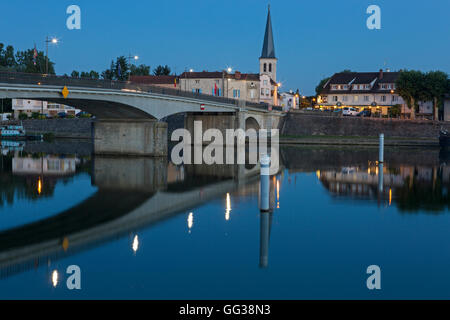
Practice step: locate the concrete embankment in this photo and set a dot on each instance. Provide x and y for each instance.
(307, 128)
(60, 128)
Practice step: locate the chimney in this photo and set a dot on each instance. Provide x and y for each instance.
(381, 74)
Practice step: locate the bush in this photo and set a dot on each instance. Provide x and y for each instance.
(395, 111)
(70, 116)
(23, 116)
(35, 115)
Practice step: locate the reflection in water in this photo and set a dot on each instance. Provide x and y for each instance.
(136, 193)
(411, 187)
(228, 208)
(190, 221)
(55, 278)
(135, 245)
(27, 176)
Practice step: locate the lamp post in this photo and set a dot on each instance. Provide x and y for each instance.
(47, 41)
(131, 57)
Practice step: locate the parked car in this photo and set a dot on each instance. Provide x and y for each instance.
(364, 113)
(348, 111)
(62, 114)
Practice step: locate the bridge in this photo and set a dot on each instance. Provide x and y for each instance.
(133, 112)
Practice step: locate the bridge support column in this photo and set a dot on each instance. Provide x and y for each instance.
(133, 137)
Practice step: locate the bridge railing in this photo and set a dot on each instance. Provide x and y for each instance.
(53, 80)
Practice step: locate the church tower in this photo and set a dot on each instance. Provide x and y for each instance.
(268, 61)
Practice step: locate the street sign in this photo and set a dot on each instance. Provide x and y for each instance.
(65, 92)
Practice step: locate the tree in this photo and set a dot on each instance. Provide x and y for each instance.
(75, 74)
(436, 86)
(7, 58)
(141, 70)
(162, 70)
(108, 74)
(121, 70)
(411, 87)
(25, 62)
(94, 75)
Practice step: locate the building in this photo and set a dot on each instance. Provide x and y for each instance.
(447, 108)
(259, 87)
(268, 67)
(42, 107)
(159, 81)
(366, 90)
(243, 86)
(289, 100)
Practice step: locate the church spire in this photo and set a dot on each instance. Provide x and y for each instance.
(268, 50)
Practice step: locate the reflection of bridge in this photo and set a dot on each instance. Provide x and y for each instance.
(133, 106)
(133, 193)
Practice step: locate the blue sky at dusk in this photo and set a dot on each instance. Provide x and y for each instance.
(313, 39)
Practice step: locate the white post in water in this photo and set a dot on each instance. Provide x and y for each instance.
(264, 183)
(381, 154)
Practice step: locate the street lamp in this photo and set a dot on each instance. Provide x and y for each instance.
(131, 57)
(47, 41)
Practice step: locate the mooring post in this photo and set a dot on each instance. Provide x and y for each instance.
(381, 151)
(264, 183)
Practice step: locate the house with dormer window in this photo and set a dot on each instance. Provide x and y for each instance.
(375, 91)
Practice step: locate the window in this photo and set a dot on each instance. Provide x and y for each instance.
(265, 67)
(265, 82)
(197, 81)
(356, 98)
(236, 93)
(367, 86)
(344, 98)
(335, 98)
(366, 98)
(270, 67)
(252, 94)
(333, 87)
(267, 91)
(394, 98)
(262, 91)
(383, 98)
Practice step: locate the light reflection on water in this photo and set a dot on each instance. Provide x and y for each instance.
(334, 212)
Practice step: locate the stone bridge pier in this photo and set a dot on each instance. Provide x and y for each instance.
(133, 137)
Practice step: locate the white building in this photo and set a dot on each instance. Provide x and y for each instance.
(42, 107)
(289, 100)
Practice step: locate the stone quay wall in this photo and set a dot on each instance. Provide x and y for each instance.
(61, 128)
(307, 124)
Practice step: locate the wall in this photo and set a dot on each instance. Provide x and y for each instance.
(130, 137)
(307, 124)
(61, 128)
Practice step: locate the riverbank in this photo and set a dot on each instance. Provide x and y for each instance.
(358, 141)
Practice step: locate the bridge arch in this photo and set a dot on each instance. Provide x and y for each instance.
(252, 123)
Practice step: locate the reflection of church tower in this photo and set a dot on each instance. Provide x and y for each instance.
(268, 61)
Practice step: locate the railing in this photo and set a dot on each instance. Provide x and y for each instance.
(52, 80)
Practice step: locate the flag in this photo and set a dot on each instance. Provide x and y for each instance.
(35, 54)
(215, 89)
(175, 82)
